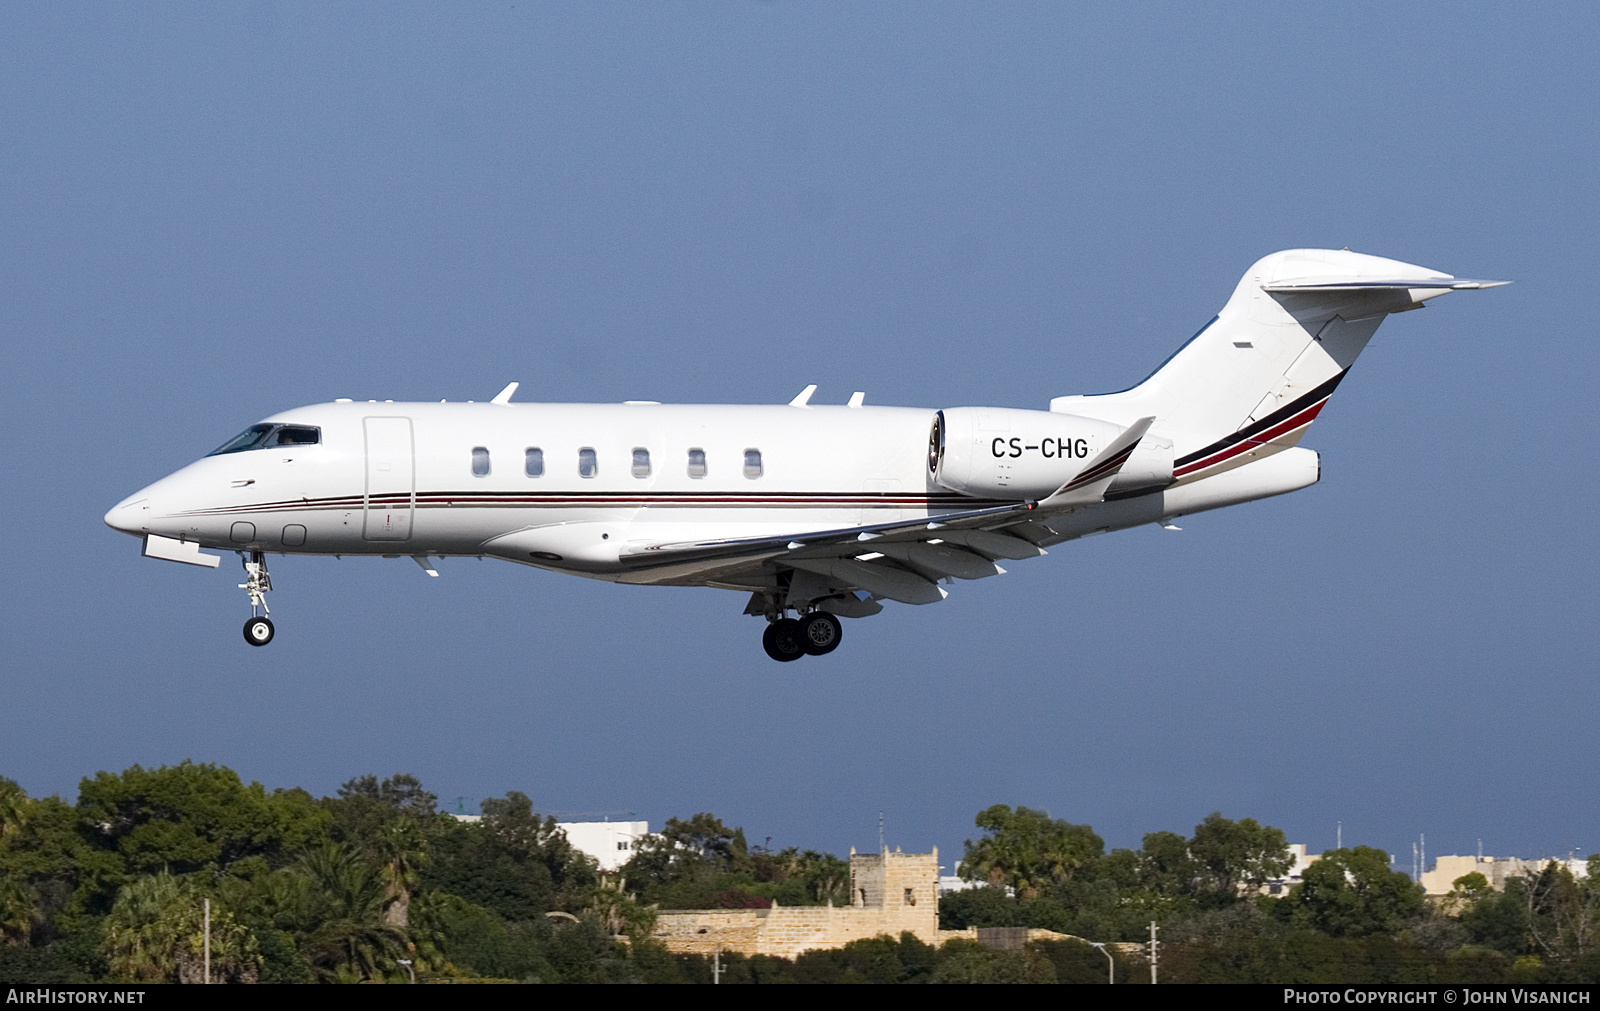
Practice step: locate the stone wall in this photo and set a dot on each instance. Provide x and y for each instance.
(890, 893)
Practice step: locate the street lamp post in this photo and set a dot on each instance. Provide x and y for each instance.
(407, 963)
(1111, 963)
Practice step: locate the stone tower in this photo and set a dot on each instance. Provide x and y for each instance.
(898, 890)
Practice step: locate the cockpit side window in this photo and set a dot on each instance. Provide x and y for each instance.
(294, 435)
(264, 436)
(250, 438)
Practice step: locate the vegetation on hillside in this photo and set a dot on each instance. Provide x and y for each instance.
(375, 885)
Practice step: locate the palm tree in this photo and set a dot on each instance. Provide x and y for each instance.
(352, 942)
(156, 933)
(403, 852)
(14, 805)
(19, 910)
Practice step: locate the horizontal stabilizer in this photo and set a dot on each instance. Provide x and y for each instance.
(1446, 283)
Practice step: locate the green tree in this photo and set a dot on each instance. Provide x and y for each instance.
(185, 817)
(1561, 911)
(1465, 893)
(52, 860)
(687, 863)
(1027, 850)
(1353, 893)
(1165, 865)
(157, 933)
(1231, 855)
(366, 804)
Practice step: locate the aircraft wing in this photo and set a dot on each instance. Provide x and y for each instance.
(822, 541)
(902, 560)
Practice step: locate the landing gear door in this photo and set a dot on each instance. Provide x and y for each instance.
(391, 480)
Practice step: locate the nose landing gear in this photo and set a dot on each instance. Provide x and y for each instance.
(814, 633)
(258, 631)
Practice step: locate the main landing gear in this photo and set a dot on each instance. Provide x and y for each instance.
(815, 632)
(258, 631)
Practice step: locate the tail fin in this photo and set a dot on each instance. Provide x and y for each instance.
(1253, 379)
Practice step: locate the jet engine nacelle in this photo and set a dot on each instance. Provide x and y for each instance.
(998, 452)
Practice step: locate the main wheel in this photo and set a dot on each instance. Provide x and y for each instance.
(820, 633)
(258, 631)
(782, 640)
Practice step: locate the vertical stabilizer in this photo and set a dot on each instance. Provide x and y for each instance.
(1255, 377)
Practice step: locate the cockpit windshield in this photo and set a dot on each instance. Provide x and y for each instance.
(266, 436)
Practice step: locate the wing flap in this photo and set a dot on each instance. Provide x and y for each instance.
(878, 580)
(940, 559)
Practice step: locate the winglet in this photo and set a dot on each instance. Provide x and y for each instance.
(504, 396)
(1092, 481)
(804, 398)
(857, 399)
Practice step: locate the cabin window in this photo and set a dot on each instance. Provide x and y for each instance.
(697, 463)
(533, 462)
(480, 461)
(752, 463)
(588, 466)
(641, 462)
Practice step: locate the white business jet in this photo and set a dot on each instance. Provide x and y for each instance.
(815, 511)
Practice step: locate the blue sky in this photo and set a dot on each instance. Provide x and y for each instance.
(210, 214)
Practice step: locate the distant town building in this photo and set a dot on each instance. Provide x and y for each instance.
(1441, 879)
(611, 843)
(1296, 873)
(890, 893)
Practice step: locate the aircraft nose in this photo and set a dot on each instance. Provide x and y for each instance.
(130, 516)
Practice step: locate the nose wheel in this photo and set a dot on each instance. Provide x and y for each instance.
(815, 633)
(258, 631)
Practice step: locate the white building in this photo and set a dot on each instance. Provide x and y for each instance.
(611, 843)
(1495, 870)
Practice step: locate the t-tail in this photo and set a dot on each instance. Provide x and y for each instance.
(1253, 379)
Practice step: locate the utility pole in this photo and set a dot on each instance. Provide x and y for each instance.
(1154, 953)
(1338, 837)
(716, 966)
(208, 942)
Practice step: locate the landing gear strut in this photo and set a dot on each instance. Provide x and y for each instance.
(258, 631)
(815, 632)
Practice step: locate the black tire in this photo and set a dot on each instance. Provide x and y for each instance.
(820, 633)
(259, 631)
(782, 641)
